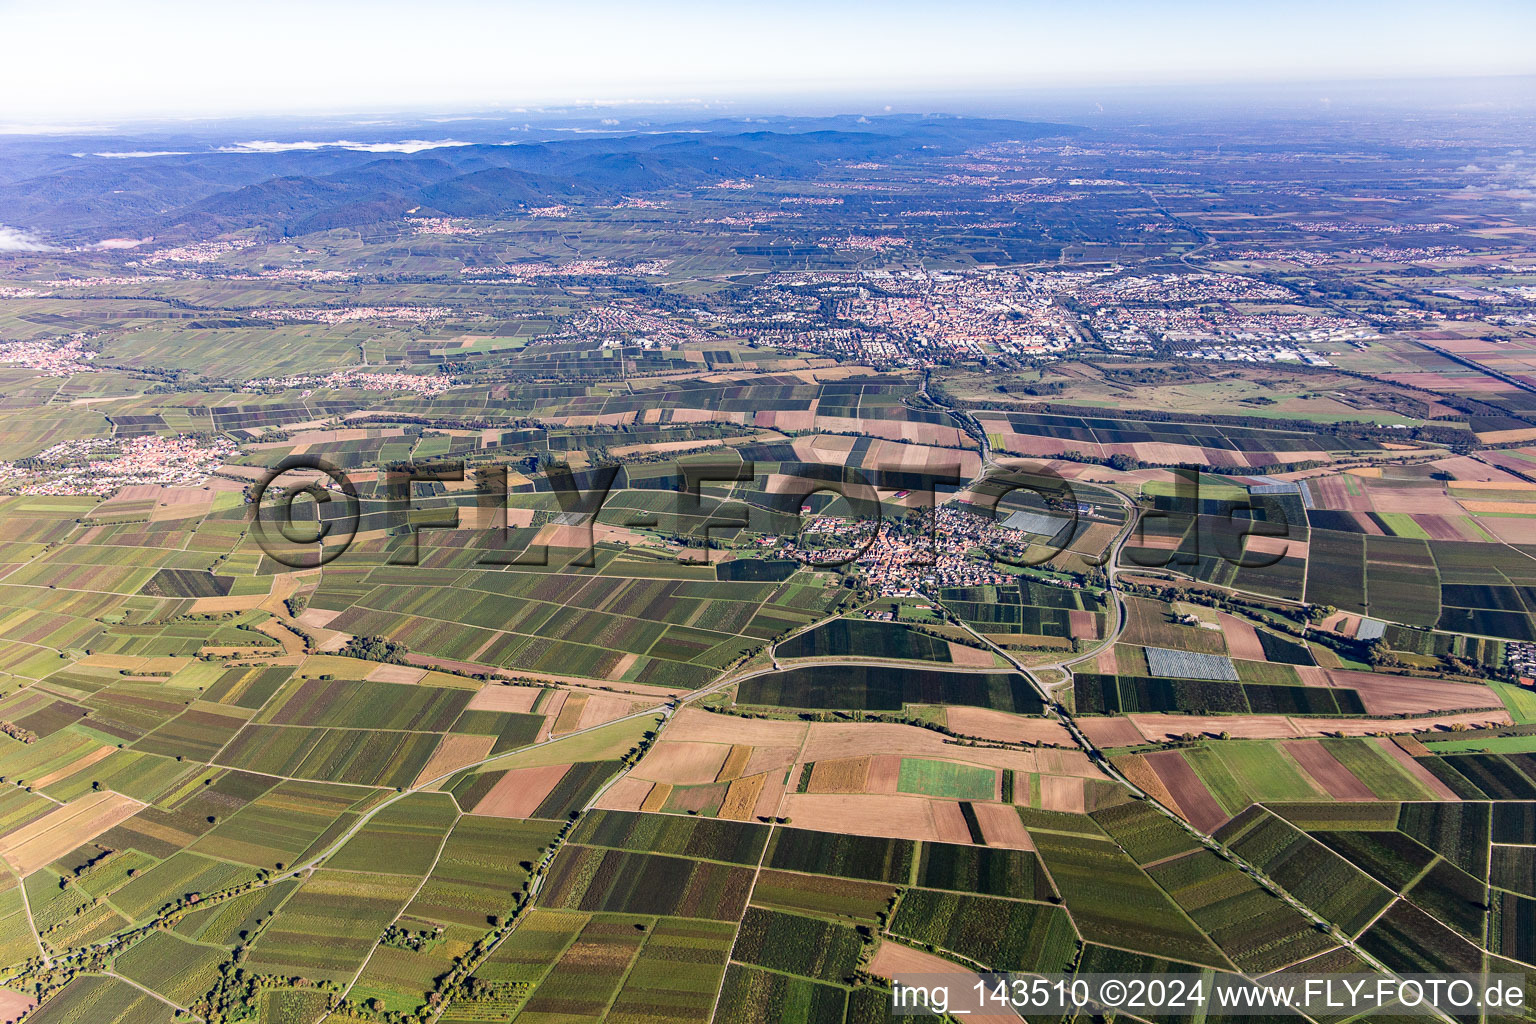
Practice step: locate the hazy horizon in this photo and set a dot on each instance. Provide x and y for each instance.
(1449, 96)
(93, 62)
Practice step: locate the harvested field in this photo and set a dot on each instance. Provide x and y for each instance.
(895, 961)
(1244, 727)
(396, 674)
(769, 759)
(682, 762)
(999, 725)
(1242, 639)
(518, 793)
(693, 724)
(735, 763)
(1136, 768)
(949, 822)
(1497, 507)
(601, 709)
(1394, 695)
(830, 740)
(884, 774)
(569, 717)
(1002, 826)
(1159, 728)
(1414, 501)
(1510, 529)
(1112, 731)
(1367, 726)
(317, 618)
(14, 1005)
(843, 775)
(1191, 798)
(61, 830)
(975, 657)
(741, 799)
(769, 799)
(627, 794)
(1063, 793)
(551, 711)
(454, 752)
(505, 698)
(1065, 762)
(895, 817)
(1331, 776)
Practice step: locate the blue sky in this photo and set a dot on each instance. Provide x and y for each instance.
(82, 60)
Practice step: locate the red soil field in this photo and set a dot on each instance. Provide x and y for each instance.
(396, 674)
(1367, 726)
(14, 1004)
(1510, 529)
(1135, 768)
(1082, 625)
(1242, 639)
(1065, 762)
(1334, 779)
(1001, 826)
(65, 827)
(1331, 492)
(519, 792)
(1392, 695)
(1417, 770)
(999, 725)
(1112, 731)
(949, 823)
(884, 773)
(1439, 528)
(1194, 801)
(1416, 501)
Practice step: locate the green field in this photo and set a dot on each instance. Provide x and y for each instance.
(946, 779)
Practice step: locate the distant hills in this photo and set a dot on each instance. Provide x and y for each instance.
(197, 191)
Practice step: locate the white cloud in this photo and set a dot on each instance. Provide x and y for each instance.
(140, 154)
(404, 146)
(13, 240)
